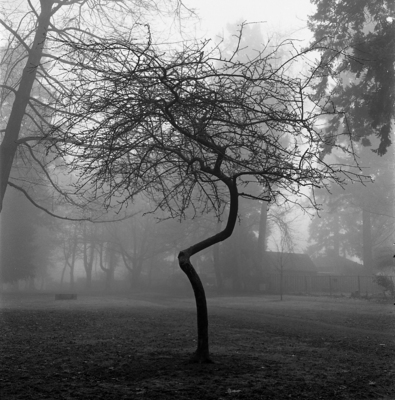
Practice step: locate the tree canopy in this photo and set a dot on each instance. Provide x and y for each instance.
(185, 123)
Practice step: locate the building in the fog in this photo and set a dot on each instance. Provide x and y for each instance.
(337, 265)
(290, 263)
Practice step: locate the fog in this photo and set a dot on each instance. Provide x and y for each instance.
(348, 233)
(197, 199)
(140, 253)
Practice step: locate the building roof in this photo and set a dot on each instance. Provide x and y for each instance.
(290, 262)
(339, 265)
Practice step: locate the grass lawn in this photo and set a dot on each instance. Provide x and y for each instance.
(137, 347)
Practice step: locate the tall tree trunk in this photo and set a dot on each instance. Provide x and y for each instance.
(202, 354)
(367, 240)
(9, 144)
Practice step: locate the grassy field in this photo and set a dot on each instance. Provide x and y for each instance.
(137, 347)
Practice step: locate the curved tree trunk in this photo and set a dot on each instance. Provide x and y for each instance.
(202, 354)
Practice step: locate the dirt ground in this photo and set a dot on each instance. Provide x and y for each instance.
(137, 347)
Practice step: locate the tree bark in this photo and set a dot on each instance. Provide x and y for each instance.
(9, 144)
(202, 354)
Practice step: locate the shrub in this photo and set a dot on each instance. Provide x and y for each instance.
(386, 282)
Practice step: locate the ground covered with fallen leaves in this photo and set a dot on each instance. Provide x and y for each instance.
(138, 347)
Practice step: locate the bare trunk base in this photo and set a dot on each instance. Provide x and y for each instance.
(200, 358)
(202, 354)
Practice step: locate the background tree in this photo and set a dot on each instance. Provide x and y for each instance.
(357, 220)
(357, 40)
(109, 257)
(31, 55)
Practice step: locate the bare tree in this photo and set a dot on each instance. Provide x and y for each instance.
(32, 58)
(194, 130)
